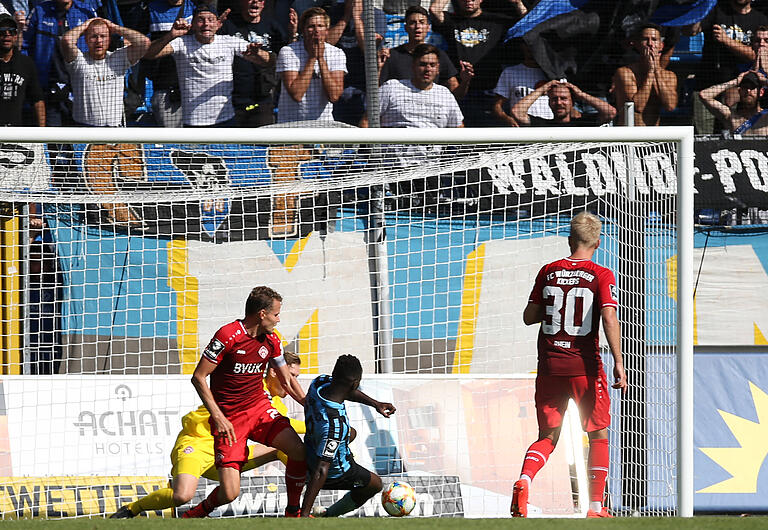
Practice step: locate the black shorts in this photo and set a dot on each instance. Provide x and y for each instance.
(357, 477)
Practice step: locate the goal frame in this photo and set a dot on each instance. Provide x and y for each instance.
(682, 136)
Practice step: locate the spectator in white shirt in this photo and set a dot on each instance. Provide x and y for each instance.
(312, 72)
(204, 65)
(98, 77)
(516, 82)
(419, 101)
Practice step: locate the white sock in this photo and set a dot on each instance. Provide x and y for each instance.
(596, 506)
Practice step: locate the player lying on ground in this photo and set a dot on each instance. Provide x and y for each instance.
(236, 359)
(329, 459)
(569, 299)
(192, 455)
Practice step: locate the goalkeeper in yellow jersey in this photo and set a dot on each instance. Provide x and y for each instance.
(192, 455)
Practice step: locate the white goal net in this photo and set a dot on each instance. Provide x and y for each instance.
(120, 260)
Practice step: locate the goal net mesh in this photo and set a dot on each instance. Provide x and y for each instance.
(120, 261)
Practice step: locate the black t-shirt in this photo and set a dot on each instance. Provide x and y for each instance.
(477, 40)
(254, 83)
(718, 64)
(400, 66)
(356, 76)
(18, 83)
(586, 120)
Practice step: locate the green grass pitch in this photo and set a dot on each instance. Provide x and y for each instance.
(671, 523)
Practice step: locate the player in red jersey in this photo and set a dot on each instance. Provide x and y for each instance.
(570, 298)
(236, 359)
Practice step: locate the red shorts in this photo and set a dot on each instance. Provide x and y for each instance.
(260, 423)
(589, 392)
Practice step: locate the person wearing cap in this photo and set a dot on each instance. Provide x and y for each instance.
(204, 65)
(18, 78)
(98, 75)
(746, 117)
(728, 29)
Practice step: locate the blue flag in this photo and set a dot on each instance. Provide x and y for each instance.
(544, 10)
(682, 14)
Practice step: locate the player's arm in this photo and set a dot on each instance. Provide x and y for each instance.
(289, 383)
(299, 426)
(533, 313)
(613, 335)
(385, 409)
(221, 424)
(316, 483)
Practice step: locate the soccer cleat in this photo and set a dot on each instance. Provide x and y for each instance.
(292, 511)
(519, 506)
(198, 512)
(123, 513)
(591, 514)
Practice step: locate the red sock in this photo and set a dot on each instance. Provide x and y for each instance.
(536, 456)
(204, 508)
(597, 468)
(295, 476)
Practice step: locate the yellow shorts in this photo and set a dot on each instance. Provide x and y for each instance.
(193, 455)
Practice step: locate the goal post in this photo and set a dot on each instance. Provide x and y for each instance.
(153, 237)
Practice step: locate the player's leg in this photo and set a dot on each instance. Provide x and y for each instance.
(591, 394)
(551, 402)
(190, 456)
(362, 485)
(259, 455)
(229, 461)
(227, 491)
(287, 441)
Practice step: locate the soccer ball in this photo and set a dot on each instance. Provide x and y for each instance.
(398, 499)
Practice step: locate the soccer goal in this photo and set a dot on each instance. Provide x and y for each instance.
(123, 250)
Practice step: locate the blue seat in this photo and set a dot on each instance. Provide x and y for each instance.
(688, 49)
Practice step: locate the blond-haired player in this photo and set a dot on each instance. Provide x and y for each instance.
(570, 298)
(192, 455)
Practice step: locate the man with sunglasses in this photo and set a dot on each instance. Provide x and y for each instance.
(18, 78)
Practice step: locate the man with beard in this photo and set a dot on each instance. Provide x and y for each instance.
(746, 117)
(18, 78)
(728, 31)
(646, 83)
(419, 101)
(98, 75)
(561, 97)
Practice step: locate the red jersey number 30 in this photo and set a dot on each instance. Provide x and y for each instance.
(569, 311)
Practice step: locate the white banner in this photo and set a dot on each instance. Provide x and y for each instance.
(475, 429)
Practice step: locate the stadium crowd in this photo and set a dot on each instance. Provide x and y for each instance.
(441, 63)
(249, 63)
